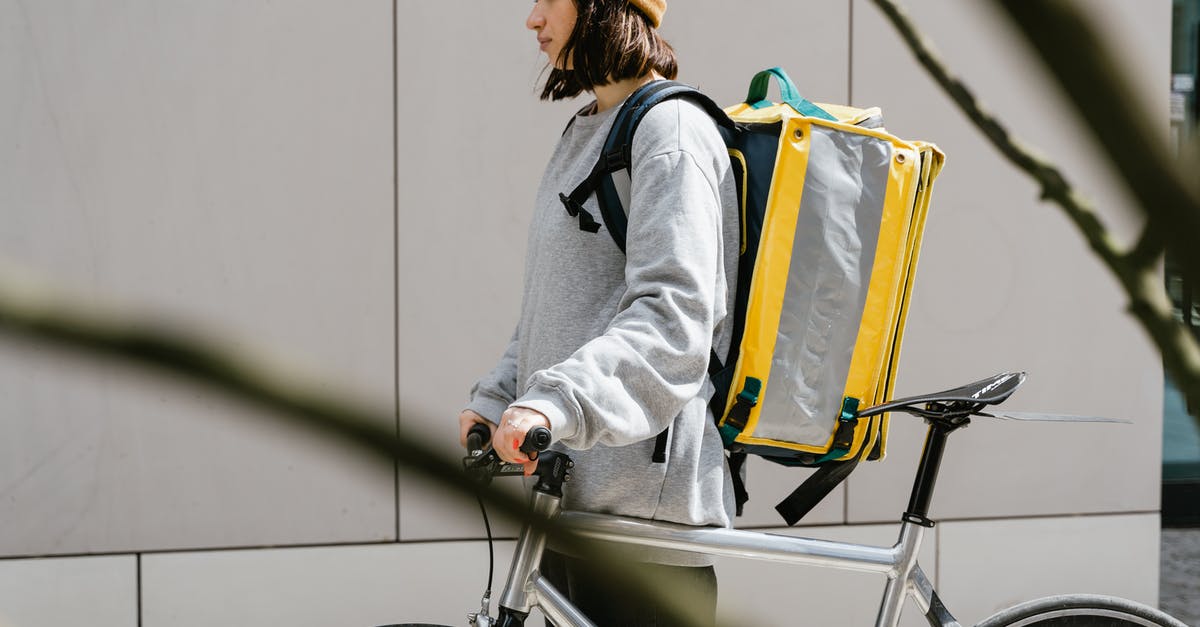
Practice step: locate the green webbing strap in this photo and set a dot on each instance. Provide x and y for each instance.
(735, 422)
(843, 437)
(757, 97)
(739, 414)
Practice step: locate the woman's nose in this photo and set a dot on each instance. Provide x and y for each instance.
(535, 19)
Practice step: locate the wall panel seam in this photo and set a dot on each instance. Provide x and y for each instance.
(850, 54)
(396, 257)
(138, 590)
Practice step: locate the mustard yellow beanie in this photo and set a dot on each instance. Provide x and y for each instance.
(653, 9)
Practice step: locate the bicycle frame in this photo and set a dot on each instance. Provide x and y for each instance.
(526, 588)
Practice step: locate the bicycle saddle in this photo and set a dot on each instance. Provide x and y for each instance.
(970, 399)
(960, 401)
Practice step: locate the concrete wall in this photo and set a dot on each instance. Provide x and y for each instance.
(348, 186)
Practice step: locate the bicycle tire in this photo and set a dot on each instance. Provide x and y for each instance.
(1081, 610)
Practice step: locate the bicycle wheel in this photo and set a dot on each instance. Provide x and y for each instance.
(1081, 610)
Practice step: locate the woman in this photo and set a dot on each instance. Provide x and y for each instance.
(613, 348)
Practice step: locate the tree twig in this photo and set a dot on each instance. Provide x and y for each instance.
(1173, 214)
(1147, 250)
(1105, 99)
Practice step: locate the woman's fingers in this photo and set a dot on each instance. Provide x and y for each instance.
(514, 425)
(468, 419)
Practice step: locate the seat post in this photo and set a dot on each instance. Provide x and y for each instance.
(927, 469)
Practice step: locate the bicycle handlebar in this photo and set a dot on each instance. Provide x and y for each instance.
(537, 440)
(477, 436)
(484, 463)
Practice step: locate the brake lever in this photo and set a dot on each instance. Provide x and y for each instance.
(483, 466)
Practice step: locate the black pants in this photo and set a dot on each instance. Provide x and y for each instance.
(606, 605)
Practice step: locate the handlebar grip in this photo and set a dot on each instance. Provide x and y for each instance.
(537, 440)
(478, 436)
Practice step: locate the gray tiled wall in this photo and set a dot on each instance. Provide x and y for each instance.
(243, 165)
(228, 164)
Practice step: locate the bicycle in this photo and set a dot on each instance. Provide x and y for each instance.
(945, 412)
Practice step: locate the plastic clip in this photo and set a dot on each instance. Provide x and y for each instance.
(574, 209)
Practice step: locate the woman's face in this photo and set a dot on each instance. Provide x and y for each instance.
(552, 21)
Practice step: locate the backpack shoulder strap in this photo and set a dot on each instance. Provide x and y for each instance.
(662, 91)
(608, 162)
(617, 153)
(616, 219)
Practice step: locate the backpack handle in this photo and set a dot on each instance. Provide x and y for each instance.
(757, 97)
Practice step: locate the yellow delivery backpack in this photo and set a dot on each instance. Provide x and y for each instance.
(832, 212)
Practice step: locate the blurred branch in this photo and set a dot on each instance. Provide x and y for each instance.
(1172, 209)
(30, 313)
(1107, 101)
(1147, 251)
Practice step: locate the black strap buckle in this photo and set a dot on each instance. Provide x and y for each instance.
(575, 209)
(739, 414)
(843, 438)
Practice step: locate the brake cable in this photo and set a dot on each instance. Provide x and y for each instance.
(487, 592)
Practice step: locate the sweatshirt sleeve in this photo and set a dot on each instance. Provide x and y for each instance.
(493, 393)
(629, 383)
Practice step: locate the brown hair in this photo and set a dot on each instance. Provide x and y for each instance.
(611, 41)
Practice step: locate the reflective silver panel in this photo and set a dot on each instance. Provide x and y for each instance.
(837, 232)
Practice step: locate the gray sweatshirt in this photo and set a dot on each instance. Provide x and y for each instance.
(613, 348)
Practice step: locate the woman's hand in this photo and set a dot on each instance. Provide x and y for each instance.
(466, 420)
(507, 439)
